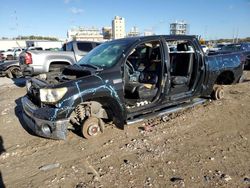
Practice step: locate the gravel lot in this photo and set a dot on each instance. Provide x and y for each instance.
(206, 146)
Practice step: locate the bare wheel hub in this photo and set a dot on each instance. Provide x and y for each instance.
(93, 130)
(91, 127)
(218, 93)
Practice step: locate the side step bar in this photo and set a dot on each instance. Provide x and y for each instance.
(169, 110)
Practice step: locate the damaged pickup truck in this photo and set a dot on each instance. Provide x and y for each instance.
(125, 81)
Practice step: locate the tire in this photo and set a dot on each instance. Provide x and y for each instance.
(14, 72)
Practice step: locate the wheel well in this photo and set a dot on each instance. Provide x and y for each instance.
(90, 108)
(14, 66)
(226, 78)
(100, 108)
(58, 64)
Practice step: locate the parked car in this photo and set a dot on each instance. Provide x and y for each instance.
(125, 81)
(37, 62)
(11, 54)
(243, 48)
(10, 69)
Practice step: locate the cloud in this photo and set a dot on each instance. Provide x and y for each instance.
(75, 10)
(66, 1)
(70, 1)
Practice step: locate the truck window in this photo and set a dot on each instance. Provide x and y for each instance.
(64, 47)
(69, 46)
(84, 46)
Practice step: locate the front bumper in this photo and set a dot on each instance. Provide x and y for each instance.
(45, 128)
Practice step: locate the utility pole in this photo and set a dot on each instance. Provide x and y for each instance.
(16, 20)
(233, 35)
(237, 35)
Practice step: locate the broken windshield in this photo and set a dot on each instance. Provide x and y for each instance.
(105, 55)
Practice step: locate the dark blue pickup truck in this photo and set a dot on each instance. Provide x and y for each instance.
(125, 81)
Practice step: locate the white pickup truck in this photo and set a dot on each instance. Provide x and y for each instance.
(37, 62)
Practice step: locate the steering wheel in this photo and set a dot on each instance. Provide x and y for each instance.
(131, 69)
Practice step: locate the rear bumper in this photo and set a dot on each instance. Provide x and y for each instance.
(26, 70)
(45, 128)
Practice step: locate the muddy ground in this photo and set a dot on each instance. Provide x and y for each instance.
(206, 146)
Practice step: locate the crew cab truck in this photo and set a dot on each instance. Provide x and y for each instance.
(34, 62)
(125, 81)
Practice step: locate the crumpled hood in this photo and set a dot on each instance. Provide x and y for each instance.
(69, 73)
(76, 71)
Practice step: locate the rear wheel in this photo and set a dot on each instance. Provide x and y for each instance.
(218, 93)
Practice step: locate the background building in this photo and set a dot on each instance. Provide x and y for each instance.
(133, 32)
(179, 28)
(118, 27)
(85, 34)
(148, 33)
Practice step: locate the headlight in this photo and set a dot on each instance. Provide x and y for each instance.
(52, 95)
(28, 85)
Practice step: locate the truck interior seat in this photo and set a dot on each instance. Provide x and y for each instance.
(182, 65)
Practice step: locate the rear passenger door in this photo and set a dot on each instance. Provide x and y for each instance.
(183, 68)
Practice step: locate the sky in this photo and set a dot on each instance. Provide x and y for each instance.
(212, 19)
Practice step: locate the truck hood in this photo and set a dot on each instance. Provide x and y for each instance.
(71, 72)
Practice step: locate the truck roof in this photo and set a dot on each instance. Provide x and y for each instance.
(159, 36)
